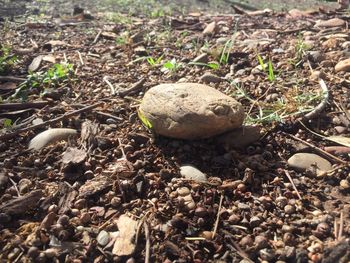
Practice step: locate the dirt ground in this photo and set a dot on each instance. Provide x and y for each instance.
(99, 186)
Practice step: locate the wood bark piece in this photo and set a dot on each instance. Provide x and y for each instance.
(67, 196)
(94, 186)
(124, 245)
(22, 204)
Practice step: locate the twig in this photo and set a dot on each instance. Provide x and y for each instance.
(96, 37)
(148, 242)
(23, 105)
(336, 230)
(109, 116)
(11, 78)
(291, 181)
(80, 58)
(15, 186)
(341, 225)
(49, 122)
(321, 106)
(218, 216)
(316, 148)
(110, 85)
(133, 89)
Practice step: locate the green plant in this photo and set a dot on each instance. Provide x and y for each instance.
(225, 54)
(144, 120)
(7, 60)
(212, 65)
(153, 62)
(57, 75)
(271, 76)
(122, 40)
(268, 69)
(7, 123)
(300, 48)
(172, 66)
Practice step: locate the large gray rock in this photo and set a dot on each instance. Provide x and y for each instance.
(190, 111)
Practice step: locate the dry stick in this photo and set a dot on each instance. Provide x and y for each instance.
(341, 226)
(15, 186)
(97, 37)
(336, 229)
(80, 58)
(291, 181)
(148, 242)
(110, 85)
(49, 122)
(134, 88)
(11, 78)
(316, 148)
(23, 106)
(218, 216)
(320, 107)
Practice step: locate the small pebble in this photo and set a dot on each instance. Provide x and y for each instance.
(192, 173)
(103, 238)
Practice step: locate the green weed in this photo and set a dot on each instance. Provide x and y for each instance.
(268, 69)
(171, 66)
(212, 65)
(153, 62)
(54, 77)
(7, 60)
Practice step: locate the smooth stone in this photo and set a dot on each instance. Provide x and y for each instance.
(192, 173)
(37, 121)
(210, 78)
(202, 58)
(343, 65)
(272, 97)
(103, 238)
(302, 161)
(210, 29)
(190, 111)
(239, 138)
(189, 202)
(340, 129)
(316, 75)
(333, 22)
(183, 191)
(316, 56)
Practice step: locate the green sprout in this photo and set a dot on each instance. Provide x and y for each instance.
(54, 77)
(267, 69)
(144, 120)
(7, 60)
(271, 76)
(172, 66)
(212, 65)
(154, 62)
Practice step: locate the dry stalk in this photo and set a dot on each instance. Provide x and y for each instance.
(218, 216)
(291, 181)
